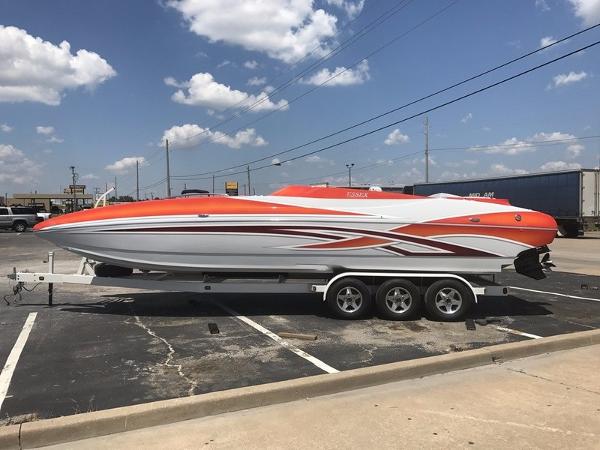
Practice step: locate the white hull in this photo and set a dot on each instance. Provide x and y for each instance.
(213, 251)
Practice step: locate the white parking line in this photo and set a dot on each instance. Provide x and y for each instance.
(555, 293)
(317, 362)
(13, 358)
(519, 333)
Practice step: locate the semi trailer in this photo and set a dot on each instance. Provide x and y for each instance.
(572, 197)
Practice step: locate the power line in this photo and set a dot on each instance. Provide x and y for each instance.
(215, 139)
(332, 53)
(528, 144)
(396, 109)
(421, 113)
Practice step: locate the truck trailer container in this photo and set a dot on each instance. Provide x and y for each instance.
(572, 197)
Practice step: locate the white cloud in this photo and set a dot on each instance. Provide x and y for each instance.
(542, 4)
(251, 65)
(559, 165)
(341, 76)
(514, 146)
(190, 135)
(353, 9)
(256, 81)
(5, 128)
(552, 136)
(587, 10)
(287, 30)
(241, 138)
(203, 90)
(122, 166)
(55, 140)
(396, 137)
(44, 130)
(313, 159)
(17, 168)
(501, 169)
(547, 40)
(574, 150)
(565, 79)
(89, 176)
(468, 117)
(456, 164)
(35, 70)
(223, 63)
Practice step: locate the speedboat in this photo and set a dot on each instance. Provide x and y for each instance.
(309, 229)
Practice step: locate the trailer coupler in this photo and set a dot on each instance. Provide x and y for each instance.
(528, 262)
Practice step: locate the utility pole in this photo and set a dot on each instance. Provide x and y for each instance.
(350, 166)
(74, 200)
(137, 180)
(426, 149)
(248, 170)
(213, 190)
(116, 196)
(168, 170)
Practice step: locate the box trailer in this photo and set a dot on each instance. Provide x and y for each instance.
(571, 197)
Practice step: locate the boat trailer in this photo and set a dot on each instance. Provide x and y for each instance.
(348, 293)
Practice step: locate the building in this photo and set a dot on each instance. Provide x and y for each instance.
(47, 201)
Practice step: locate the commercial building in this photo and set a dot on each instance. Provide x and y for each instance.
(47, 201)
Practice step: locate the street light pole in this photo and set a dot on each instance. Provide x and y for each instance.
(426, 149)
(248, 169)
(168, 169)
(350, 166)
(74, 200)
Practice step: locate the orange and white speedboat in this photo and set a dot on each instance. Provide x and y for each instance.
(309, 229)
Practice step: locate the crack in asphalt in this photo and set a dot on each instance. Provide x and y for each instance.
(170, 355)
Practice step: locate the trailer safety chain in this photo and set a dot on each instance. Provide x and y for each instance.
(16, 292)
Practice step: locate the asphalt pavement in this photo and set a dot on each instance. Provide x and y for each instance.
(100, 348)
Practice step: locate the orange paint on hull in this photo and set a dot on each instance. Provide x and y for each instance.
(184, 206)
(529, 227)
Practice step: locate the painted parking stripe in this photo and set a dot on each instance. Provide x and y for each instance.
(555, 293)
(519, 333)
(13, 358)
(317, 362)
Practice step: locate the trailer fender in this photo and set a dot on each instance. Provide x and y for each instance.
(386, 275)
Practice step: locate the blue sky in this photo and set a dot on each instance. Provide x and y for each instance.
(136, 72)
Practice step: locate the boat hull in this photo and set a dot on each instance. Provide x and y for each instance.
(344, 230)
(283, 246)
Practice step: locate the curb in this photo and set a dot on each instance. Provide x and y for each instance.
(117, 420)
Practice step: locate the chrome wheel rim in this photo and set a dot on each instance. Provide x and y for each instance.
(448, 301)
(398, 300)
(349, 299)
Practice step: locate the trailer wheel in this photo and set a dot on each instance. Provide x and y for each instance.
(398, 299)
(349, 298)
(448, 299)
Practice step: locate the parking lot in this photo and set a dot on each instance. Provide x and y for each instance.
(99, 348)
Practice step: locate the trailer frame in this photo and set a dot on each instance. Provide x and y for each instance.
(211, 284)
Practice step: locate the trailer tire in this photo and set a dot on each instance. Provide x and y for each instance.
(398, 299)
(448, 299)
(349, 298)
